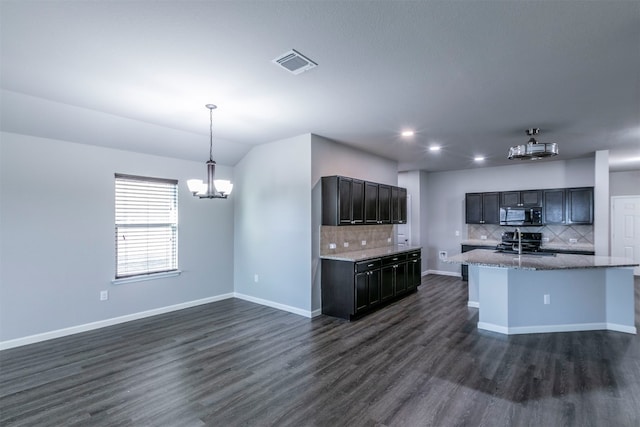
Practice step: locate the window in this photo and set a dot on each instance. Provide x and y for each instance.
(146, 226)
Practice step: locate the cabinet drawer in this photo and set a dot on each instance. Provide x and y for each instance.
(413, 255)
(372, 264)
(394, 259)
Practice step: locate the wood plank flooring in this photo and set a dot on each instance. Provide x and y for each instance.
(418, 362)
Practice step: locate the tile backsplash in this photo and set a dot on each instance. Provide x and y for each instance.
(375, 236)
(557, 234)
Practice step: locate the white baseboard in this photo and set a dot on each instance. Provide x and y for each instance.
(473, 304)
(272, 304)
(542, 329)
(622, 328)
(31, 339)
(444, 273)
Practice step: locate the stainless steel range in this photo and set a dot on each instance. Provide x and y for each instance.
(530, 242)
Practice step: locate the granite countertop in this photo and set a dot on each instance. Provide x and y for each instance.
(361, 255)
(491, 258)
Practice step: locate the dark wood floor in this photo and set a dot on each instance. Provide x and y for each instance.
(419, 362)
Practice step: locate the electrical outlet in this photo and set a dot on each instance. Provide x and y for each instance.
(345, 244)
(457, 233)
(256, 278)
(547, 299)
(364, 243)
(483, 237)
(388, 239)
(443, 255)
(545, 240)
(573, 240)
(104, 295)
(332, 245)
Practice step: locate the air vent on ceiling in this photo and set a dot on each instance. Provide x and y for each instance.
(294, 62)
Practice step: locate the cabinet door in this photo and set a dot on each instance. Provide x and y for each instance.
(400, 278)
(345, 195)
(361, 291)
(370, 202)
(386, 282)
(473, 208)
(531, 198)
(510, 199)
(357, 201)
(402, 205)
(490, 208)
(413, 274)
(384, 204)
(553, 207)
(374, 287)
(580, 205)
(395, 205)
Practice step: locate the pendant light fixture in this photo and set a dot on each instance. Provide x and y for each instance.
(213, 188)
(533, 150)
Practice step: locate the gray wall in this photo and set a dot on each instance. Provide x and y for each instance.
(331, 158)
(273, 223)
(57, 229)
(624, 183)
(446, 190)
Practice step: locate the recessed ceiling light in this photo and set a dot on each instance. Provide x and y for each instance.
(478, 158)
(434, 148)
(407, 133)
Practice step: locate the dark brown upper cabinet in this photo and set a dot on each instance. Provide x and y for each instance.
(482, 208)
(370, 202)
(554, 206)
(398, 205)
(559, 205)
(384, 204)
(579, 205)
(526, 199)
(342, 201)
(350, 201)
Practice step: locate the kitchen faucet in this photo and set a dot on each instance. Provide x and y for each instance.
(517, 230)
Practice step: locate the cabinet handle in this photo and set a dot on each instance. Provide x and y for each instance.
(370, 265)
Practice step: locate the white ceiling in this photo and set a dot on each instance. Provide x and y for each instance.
(470, 76)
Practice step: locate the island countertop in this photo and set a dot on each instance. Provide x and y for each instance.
(364, 254)
(491, 258)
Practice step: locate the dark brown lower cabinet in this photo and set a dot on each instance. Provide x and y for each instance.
(352, 289)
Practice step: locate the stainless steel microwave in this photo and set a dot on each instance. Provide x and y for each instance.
(521, 216)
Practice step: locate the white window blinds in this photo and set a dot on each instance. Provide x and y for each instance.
(146, 225)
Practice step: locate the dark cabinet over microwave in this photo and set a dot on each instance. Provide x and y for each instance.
(522, 199)
(351, 201)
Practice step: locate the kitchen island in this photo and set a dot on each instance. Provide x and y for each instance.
(529, 293)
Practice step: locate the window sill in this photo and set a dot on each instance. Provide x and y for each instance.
(145, 277)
